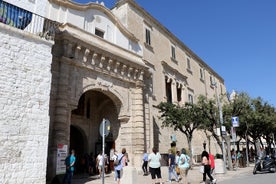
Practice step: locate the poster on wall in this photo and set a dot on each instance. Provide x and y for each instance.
(61, 156)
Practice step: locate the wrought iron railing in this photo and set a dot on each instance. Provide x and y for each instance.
(25, 20)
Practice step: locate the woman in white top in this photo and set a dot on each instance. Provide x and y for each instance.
(154, 166)
(119, 168)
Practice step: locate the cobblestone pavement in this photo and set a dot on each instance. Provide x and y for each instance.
(194, 177)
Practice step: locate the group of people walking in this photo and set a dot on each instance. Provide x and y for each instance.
(179, 164)
(178, 159)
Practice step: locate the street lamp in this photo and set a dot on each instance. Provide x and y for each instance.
(221, 124)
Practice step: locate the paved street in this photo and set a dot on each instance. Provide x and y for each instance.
(194, 177)
(266, 178)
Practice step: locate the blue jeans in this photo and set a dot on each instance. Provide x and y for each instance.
(172, 171)
(68, 177)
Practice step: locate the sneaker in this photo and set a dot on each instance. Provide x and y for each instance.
(202, 182)
(214, 181)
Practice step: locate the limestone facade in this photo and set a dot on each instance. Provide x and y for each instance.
(25, 83)
(106, 64)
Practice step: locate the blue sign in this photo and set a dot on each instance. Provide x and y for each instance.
(235, 121)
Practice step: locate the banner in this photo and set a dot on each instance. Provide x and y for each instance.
(61, 156)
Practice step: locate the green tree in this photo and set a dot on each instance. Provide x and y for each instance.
(185, 119)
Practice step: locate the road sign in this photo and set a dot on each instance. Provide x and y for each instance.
(235, 121)
(223, 130)
(105, 127)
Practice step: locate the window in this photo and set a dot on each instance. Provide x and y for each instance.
(173, 51)
(190, 98)
(168, 89)
(99, 33)
(188, 64)
(178, 92)
(211, 80)
(201, 74)
(148, 40)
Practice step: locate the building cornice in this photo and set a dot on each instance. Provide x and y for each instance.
(171, 36)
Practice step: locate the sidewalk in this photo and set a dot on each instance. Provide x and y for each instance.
(194, 177)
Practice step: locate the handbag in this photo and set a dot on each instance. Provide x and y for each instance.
(201, 169)
(177, 169)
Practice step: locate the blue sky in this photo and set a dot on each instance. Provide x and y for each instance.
(237, 38)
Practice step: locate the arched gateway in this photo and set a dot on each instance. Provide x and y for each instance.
(92, 80)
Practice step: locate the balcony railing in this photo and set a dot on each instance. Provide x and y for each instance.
(25, 20)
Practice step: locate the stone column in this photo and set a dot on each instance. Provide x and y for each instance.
(138, 123)
(133, 137)
(61, 118)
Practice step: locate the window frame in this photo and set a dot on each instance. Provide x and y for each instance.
(97, 30)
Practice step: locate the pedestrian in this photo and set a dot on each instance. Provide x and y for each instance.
(205, 161)
(122, 163)
(233, 157)
(154, 166)
(171, 169)
(99, 164)
(106, 163)
(91, 169)
(184, 165)
(212, 162)
(145, 163)
(70, 163)
(114, 157)
(177, 169)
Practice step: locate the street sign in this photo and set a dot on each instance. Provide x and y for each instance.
(223, 130)
(105, 127)
(235, 121)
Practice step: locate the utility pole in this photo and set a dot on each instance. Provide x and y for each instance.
(221, 125)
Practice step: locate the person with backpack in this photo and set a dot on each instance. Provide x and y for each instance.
(205, 161)
(70, 163)
(184, 165)
(120, 163)
(212, 162)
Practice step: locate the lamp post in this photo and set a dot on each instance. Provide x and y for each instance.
(221, 124)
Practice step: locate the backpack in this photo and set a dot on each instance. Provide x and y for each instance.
(186, 163)
(117, 161)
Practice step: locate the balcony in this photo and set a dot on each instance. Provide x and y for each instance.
(25, 20)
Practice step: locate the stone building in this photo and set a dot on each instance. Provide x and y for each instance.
(114, 64)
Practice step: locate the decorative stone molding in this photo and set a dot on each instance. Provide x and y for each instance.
(99, 55)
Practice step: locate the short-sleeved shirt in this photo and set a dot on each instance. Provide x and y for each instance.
(69, 162)
(154, 160)
(145, 157)
(100, 159)
(121, 164)
(172, 158)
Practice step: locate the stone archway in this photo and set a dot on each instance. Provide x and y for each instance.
(93, 106)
